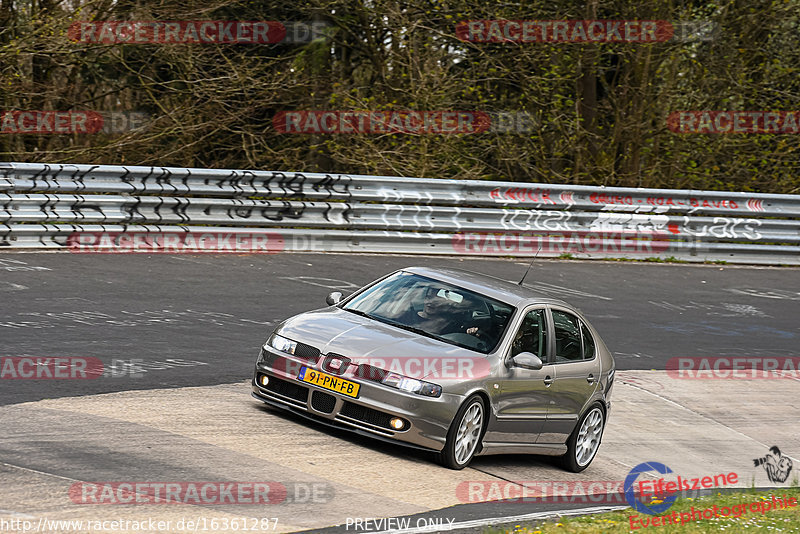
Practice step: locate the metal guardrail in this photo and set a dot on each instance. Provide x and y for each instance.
(45, 206)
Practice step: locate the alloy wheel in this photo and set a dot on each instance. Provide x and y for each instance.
(589, 437)
(469, 432)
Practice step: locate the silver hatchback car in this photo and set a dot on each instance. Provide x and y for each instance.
(449, 361)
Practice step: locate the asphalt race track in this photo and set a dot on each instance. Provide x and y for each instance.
(213, 312)
(178, 335)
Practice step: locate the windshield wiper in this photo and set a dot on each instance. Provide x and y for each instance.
(411, 328)
(359, 312)
(415, 329)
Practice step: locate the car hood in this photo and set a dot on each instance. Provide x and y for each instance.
(365, 340)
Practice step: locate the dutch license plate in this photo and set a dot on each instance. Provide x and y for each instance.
(329, 382)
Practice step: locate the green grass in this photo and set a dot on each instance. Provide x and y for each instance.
(772, 521)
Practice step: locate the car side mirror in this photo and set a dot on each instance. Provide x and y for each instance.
(527, 360)
(334, 298)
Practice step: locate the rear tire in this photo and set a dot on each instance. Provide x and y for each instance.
(464, 435)
(584, 442)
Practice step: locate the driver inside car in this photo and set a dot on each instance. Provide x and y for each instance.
(440, 315)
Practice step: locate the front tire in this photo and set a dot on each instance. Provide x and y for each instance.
(585, 440)
(464, 435)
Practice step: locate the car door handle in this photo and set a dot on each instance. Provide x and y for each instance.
(590, 378)
(548, 381)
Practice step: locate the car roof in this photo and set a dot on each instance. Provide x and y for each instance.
(487, 285)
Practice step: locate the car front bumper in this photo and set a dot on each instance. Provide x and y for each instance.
(427, 419)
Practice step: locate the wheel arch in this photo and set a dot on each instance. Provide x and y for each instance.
(596, 398)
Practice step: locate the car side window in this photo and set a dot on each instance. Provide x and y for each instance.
(588, 342)
(532, 335)
(568, 337)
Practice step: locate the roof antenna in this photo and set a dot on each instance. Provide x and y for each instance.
(530, 264)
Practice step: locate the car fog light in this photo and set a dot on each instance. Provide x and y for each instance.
(397, 423)
(264, 380)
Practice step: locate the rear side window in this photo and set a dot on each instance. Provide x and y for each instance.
(588, 342)
(568, 337)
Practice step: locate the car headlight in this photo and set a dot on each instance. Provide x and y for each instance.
(281, 343)
(412, 385)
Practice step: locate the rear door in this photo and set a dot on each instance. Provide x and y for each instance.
(577, 372)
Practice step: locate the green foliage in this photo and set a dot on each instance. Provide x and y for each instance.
(600, 110)
(779, 519)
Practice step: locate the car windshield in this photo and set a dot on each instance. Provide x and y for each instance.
(435, 309)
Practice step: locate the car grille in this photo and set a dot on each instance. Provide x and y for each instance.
(369, 372)
(366, 415)
(306, 352)
(322, 402)
(287, 389)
